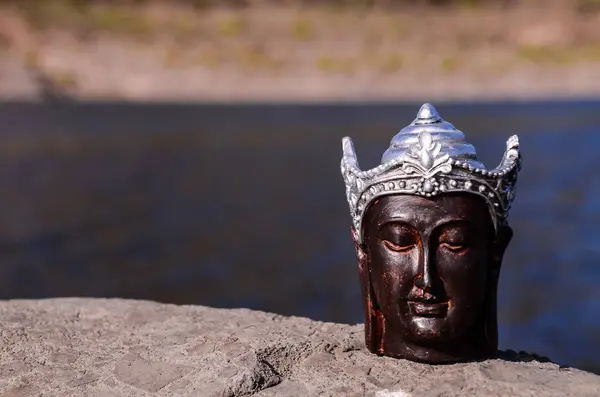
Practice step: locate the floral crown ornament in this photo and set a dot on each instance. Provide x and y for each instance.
(427, 158)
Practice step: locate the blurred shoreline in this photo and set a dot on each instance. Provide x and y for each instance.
(166, 52)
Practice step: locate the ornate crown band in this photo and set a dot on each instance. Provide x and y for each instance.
(427, 158)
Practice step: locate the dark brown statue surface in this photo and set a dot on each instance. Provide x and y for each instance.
(430, 230)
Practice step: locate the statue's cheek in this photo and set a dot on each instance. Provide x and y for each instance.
(393, 281)
(465, 266)
(464, 279)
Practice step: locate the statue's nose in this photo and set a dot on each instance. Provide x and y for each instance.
(432, 287)
(424, 279)
(427, 279)
(423, 282)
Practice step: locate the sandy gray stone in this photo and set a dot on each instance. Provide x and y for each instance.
(148, 375)
(113, 348)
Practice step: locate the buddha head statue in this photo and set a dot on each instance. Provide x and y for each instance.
(430, 229)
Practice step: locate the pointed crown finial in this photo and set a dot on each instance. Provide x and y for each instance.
(427, 115)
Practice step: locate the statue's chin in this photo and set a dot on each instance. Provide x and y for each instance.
(435, 330)
(421, 330)
(431, 329)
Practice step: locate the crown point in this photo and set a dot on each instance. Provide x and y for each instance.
(513, 142)
(348, 147)
(428, 114)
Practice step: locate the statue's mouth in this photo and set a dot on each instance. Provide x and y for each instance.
(428, 309)
(425, 304)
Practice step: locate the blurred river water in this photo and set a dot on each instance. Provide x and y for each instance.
(244, 206)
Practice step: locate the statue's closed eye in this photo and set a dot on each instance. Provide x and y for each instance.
(398, 247)
(398, 238)
(455, 239)
(455, 247)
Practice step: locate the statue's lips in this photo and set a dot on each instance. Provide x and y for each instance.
(423, 309)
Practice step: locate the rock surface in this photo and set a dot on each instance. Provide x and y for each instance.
(111, 347)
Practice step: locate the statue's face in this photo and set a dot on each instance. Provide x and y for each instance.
(428, 263)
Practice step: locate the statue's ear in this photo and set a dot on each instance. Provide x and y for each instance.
(360, 251)
(362, 259)
(503, 237)
(373, 316)
(499, 245)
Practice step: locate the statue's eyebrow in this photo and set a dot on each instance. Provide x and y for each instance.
(451, 226)
(395, 223)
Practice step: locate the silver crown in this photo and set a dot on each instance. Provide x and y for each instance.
(427, 158)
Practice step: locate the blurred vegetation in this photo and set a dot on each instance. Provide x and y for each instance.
(331, 37)
(82, 4)
(124, 16)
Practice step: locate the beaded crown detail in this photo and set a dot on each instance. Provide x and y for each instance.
(427, 158)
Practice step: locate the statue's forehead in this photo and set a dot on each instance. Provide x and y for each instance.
(422, 212)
